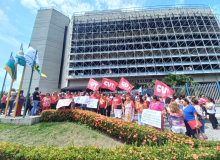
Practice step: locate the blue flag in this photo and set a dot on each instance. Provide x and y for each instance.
(20, 57)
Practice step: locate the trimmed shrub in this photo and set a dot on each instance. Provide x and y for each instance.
(144, 142)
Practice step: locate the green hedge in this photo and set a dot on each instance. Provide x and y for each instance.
(144, 142)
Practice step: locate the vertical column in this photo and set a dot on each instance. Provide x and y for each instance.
(187, 90)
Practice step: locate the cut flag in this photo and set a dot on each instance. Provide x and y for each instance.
(162, 90)
(109, 84)
(29, 57)
(20, 57)
(125, 85)
(11, 67)
(93, 85)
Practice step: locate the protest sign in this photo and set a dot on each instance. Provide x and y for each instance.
(93, 85)
(76, 99)
(162, 90)
(63, 102)
(151, 117)
(125, 85)
(109, 84)
(83, 100)
(92, 103)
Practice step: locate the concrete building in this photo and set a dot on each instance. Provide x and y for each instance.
(140, 44)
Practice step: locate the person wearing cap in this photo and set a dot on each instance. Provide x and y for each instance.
(3, 103)
(117, 106)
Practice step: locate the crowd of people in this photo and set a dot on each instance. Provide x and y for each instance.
(181, 113)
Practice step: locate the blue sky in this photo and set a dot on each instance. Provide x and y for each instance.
(17, 19)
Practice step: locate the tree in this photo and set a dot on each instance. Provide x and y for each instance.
(178, 80)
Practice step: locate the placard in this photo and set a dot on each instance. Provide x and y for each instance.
(92, 103)
(63, 102)
(151, 117)
(83, 100)
(76, 99)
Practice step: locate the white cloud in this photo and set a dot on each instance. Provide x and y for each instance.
(114, 4)
(30, 4)
(10, 40)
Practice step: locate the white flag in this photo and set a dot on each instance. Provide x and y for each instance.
(29, 57)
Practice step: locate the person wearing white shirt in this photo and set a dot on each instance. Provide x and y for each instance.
(210, 106)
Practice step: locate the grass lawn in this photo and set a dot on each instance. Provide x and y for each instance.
(57, 134)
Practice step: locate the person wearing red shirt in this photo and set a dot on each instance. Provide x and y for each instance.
(117, 106)
(109, 105)
(68, 96)
(93, 96)
(102, 105)
(98, 96)
(54, 100)
(3, 103)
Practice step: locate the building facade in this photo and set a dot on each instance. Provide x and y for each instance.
(140, 44)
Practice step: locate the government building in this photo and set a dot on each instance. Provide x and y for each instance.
(139, 44)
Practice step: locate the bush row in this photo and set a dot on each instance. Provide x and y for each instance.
(145, 142)
(9, 151)
(125, 131)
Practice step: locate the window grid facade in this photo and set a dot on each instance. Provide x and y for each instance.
(139, 43)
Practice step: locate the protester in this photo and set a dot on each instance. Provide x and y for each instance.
(148, 97)
(146, 103)
(93, 96)
(167, 107)
(117, 106)
(36, 99)
(98, 96)
(111, 96)
(211, 112)
(190, 115)
(3, 103)
(68, 96)
(102, 105)
(161, 100)
(54, 100)
(174, 98)
(139, 107)
(177, 118)
(129, 110)
(202, 102)
(109, 104)
(157, 106)
(20, 103)
(11, 100)
(123, 98)
(200, 113)
(30, 104)
(46, 102)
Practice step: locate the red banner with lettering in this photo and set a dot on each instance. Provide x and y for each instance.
(93, 85)
(109, 84)
(125, 85)
(162, 90)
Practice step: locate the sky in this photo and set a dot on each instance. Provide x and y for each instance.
(17, 18)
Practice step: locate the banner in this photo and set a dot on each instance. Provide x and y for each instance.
(151, 117)
(93, 85)
(92, 103)
(76, 99)
(83, 100)
(63, 102)
(125, 85)
(162, 90)
(109, 84)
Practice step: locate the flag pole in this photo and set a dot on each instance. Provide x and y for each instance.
(19, 90)
(29, 86)
(9, 94)
(3, 85)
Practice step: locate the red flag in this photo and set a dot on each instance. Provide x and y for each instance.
(109, 84)
(162, 90)
(93, 85)
(125, 85)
